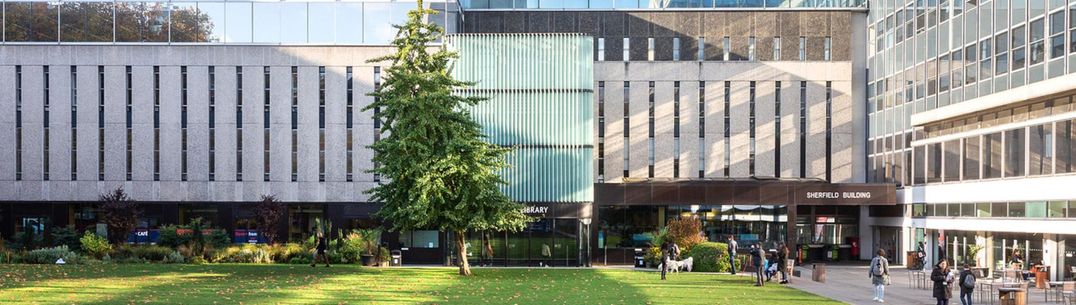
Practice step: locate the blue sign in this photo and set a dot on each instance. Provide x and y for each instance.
(143, 236)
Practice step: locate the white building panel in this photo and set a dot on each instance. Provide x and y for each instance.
(308, 125)
(88, 145)
(142, 156)
(197, 127)
(335, 121)
(790, 128)
(225, 130)
(59, 126)
(638, 108)
(740, 142)
(363, 128)
(664, 123)
(280, 124)
(7, 124)
(32, 123)
(171, 115)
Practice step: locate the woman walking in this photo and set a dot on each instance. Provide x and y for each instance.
(943, 280)
(319, 253)
(879, 274)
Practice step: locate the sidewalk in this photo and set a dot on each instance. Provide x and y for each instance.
(850, 284)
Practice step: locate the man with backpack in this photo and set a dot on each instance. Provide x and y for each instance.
(967, 285)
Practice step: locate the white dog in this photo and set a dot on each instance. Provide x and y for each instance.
(677, 266)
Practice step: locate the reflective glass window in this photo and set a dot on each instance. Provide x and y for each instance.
(1019, 11)
(293, 22)
(1057, 34)
(238, 23)
(992, 156)
(1065, 135)
(86, 21)
(322, 29)
(141, 22)
(1040, 154)
(1014, 152)
(31, 21)
(190, 23)
(267, 22)
(378, 19)
(349, 18)
(971, 158)
(1038, 46)
(214, 13)
(1019, 39)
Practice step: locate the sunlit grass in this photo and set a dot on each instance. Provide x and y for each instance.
(300, 284)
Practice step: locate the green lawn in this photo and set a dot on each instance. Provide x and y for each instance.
(300, 284)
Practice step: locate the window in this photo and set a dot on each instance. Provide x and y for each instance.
(702, 129)
(803, 48)
(777, 129)
(18, 123)
(1038, 44)
(601, 131)
(627, 49)
(156, 123)
(377, 112)
(676, 129)
(1065, 136)
(985, 55)
(1001, 48)
(650, 49)
(265, 122)
(676, 49)
(751, 128)
(349, 109)
(294, 123)
(238, 123)
(1019, 39)
(971, 158)
(1014, 153)
(702, 48)
(992, 156)
(212, 123)
(829, 131)
(1041, 150)
(1072, 29)
(650, 129)
(751, 48)
(601, 49)
(74, 123)
(627, 127)
(971, 74)
(727, 125)
(827, 47)
(1057, 34)
(726, 47)
(182, 121)
(803, 129)
(951, 160)
(130, 105)
(321, 124)
(45, 123)
(777, 48)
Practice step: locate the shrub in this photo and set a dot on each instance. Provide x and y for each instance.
(175, 258)
(685, 232)
(151, 253)
(94, 245)
(709, 257)
(652, 257)
(67, 236)
(50, 255)
(285, 253)
(219, 239)
(248, 253)
(169, 237)
(119, 212)
(267, 215)
(26, 241)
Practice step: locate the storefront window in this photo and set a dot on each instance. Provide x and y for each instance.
(422, 239)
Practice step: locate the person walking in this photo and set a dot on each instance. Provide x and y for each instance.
(319, 252)
(732, 253)
(879, 274)
(943, 279)
(674, 251)
(782, 263)
(967, 285)
(487, 249)
(757, 262)
(665, 249)
(920, 257)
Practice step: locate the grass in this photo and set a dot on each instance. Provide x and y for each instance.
(300, 284)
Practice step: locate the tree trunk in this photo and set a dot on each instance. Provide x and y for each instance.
(461, 250)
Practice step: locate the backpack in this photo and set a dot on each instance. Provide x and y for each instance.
(876, 268)
(969, 281)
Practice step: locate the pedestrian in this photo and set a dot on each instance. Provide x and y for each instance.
(920, 257)
(732, 253)
(879, 274)
(664, 259)
(319, 251)
(967, 285)
(943, 279)
(757, 262)
(782, 263)
(487, 249)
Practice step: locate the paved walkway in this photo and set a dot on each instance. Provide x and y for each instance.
(850, 284)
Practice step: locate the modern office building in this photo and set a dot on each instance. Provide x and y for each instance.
(970, 109)
(838, 126)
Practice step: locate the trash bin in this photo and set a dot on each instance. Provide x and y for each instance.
(818, 273)
(397, 258)
(639, 261)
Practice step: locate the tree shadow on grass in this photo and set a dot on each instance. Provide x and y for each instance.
(696, 288)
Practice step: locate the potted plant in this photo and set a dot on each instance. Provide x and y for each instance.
(370, 239)
(973, 254)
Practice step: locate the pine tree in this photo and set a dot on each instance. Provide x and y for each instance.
(440, 172)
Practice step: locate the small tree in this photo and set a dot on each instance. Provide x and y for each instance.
(686, 232)
(441, 173)
(120, 213)
(267, 214)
